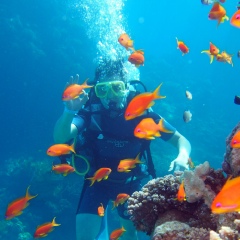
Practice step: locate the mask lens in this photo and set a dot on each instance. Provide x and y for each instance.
(118, 88)
(101, 89)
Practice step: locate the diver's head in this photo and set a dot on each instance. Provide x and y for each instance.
(111, 84)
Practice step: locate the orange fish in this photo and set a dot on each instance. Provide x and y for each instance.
(137, 58)
(15, 208)
(125, 41)
(100, 174)
(44, 229)
(183, 48)
(235, 19)
(148, 129)
(126, 164)
(235, 142)
(218, 12)
(60, 149)
(181, 195)
(101, 210)
(63, 169)
(74, 90)
(120, 199)
(224, 57)
(213, 51)
(141, 102)
(116, 234)
(228, 199)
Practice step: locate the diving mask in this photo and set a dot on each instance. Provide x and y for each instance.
(117, 89)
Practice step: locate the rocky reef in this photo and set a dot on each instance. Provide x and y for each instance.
(156, 211)
(231, 163)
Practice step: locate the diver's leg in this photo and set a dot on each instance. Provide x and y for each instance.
(87, 226)
(88, 223)
(131, 233)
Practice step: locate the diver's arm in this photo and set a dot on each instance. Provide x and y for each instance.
(64, 130)
(184, 149)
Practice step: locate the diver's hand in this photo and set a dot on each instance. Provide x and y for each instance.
(74, 105)
(181, 162)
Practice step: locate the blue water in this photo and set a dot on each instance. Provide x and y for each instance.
(44, 42)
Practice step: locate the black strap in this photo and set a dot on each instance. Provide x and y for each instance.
(151, 168)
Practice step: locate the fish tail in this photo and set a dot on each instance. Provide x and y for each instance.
(72, 148)
(156, 93)
(225, 18)
(137, 160)
(85, 84)
(211, 58)
(177, 42)
(209, 54)
(206, 51)
(92, 180)
(28, 196)
(54, 224)
(162, 128)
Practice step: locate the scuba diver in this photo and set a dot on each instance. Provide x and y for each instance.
(102, 135)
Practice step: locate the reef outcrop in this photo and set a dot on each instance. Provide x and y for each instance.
(231, 163)
(156, 211)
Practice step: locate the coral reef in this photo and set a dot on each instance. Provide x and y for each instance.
(155, 209)
(228, 227)
(231, 163)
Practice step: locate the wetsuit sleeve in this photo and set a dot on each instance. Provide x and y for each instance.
(81, 120)
(168, 126)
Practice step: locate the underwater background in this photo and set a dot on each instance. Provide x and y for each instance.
(44, 42)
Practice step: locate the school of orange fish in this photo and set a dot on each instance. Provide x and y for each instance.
(147, 128)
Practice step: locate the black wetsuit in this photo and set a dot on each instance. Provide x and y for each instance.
(109, 138)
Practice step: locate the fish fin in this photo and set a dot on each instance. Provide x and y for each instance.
(157, 134)
(156, 94)
(28, 196)
(150, 138)
(18, 214)
(127, 170)
(92, 180)
(206, 51)
(177, 42)
(106, 177)
(211, 58)
(65, 174)
(54, 222)
(137, 159)
(215, 7)
(224, 18)
(137, 65)
(72, 148)
(43, 235)
(150, 104)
